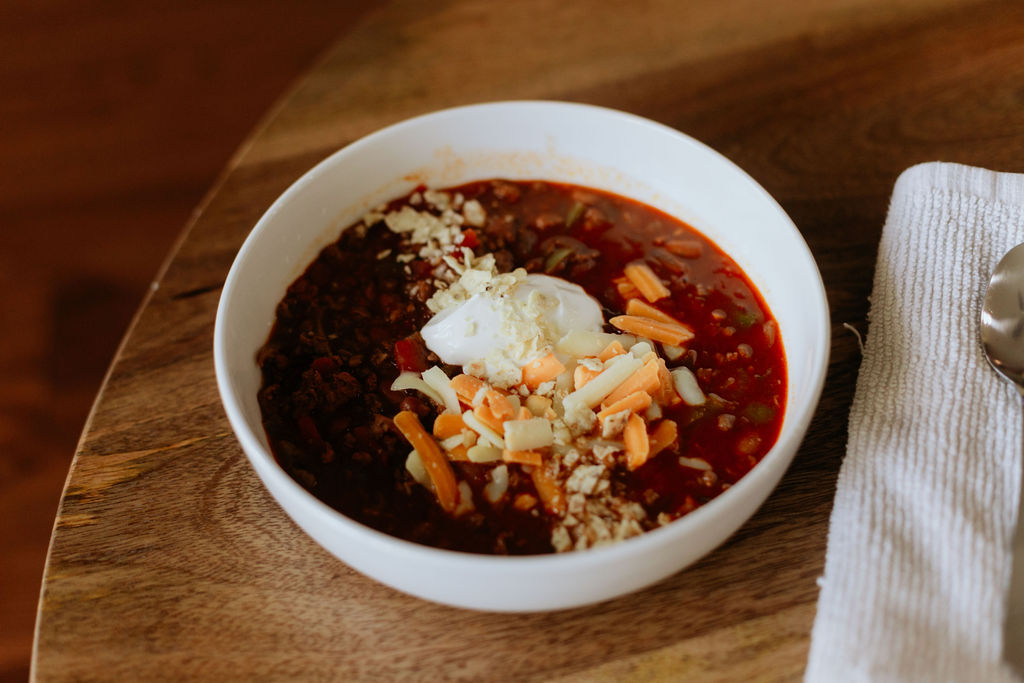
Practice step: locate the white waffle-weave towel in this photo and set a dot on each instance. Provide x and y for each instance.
(918, 553)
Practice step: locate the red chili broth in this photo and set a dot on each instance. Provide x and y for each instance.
(346, 456)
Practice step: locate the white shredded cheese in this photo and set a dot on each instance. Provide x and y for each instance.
(583, 343)
(641, 349)
(439, 382)
(452, 442)
(528, 435)
(594, 391)
(485, 432)
(482, 453)
(686, 385)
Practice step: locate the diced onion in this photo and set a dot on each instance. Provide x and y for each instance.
(414, 465)
(496, 488)
(538, 405)
(412, 380)
(439, 382)
(673, 352)
(527, 435)
(563, 382)
(695, 463)
(686, 385)
(465, 500)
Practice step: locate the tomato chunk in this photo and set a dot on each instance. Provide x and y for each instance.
(410, 355)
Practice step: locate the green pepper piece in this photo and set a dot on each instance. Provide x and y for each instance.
(758, 413)
(574, 214)
(556, 257)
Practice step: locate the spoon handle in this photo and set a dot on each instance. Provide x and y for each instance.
(1013, 632)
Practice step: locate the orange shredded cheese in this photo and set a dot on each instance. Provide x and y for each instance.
(542, 370)
(438, 469)
(612, 350)
(644, 379)
(582, 375)
(638, 446)
(635, 403)
(627, 290)
(522, 457)
(663, 436)
(667, 394)
(548, 490)
(466, 387)
(524, 502)
(644, 279)
(448, 425)
(459, 454)
(643, 309)
(483, 413)
(666, 333)
(500, 406)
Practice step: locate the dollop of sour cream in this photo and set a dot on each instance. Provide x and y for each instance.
(514, 326)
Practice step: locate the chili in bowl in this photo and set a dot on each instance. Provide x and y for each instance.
(547, 355)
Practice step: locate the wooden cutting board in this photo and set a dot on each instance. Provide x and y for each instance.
(169, 561)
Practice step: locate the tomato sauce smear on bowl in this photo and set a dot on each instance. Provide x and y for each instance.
(428, 374)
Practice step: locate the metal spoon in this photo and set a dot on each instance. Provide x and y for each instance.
(1002, 337)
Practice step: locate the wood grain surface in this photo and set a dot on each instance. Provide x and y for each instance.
(115, 118)
(169, 561)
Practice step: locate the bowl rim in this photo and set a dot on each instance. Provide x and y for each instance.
(779, 456)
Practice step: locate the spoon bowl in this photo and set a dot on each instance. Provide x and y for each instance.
(1002, 318)
(1002, 338)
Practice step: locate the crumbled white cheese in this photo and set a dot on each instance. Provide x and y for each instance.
(584, 479)
(474, 213)
(579, 418)
(436, 235)
(614, 424)
(560, 539)
(438, 200)
(606, 452)
(465, 504)
(546, 388)
(373, 216)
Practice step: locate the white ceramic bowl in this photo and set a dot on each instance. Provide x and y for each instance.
(527, 140)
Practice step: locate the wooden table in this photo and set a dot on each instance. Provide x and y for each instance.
(169, 561)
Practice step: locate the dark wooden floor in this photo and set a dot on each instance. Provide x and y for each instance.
(115, 118)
